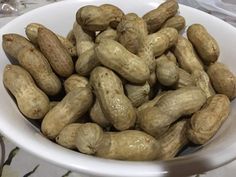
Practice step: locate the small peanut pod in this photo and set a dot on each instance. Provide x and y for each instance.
(126, 145)
(32, 102)
(204, 43)
(67, 136)
(13, 43)
(138, 94)
(55, 52)
(116, 107)
(86, 62)
(128, 65)
(73, 106)
(151, 103)
(171, 57)
(74, 82)
(172, 35)
(185, 79)
(202, 81)
(173, 140)
(84, 41)
(109, 33)
(158, 16)
(32, 34)
(222, 79)
(38, 66)
(205, 123)
(169, 108)
(98, 18)
(186, 56)
(132, 30)
(71, 37)
(177, 22)
(167, 71)
(152, 79)
(98, 116)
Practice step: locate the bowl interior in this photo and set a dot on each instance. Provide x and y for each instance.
(60, 17)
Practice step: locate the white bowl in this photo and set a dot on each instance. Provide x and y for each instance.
(60, 17)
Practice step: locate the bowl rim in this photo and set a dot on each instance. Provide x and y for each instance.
(126, 168)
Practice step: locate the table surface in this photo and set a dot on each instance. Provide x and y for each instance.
(35, 167)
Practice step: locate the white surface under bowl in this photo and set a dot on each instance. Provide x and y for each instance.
(59, 17)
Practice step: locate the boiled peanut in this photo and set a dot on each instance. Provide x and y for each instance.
(84, 41)
(222, 79)
(204, 43)
(98, 116)
(202, 81)
(32, 102)
(138, 94)
(38, 66)
(205, 123)
(126, 145)
(98, 18)
(173, 140)
(171, 57)
(68, 135)
(185, 79)
(32, 34)
(128, 65)
(169, 108)
(75, 81)
(12, 43)
(109, 33)
(132, 31)
(158, 16)
(156, 44)
(186, 56)
(71, 37)
(72, 107)
(55, 52)
(167, 71)
(116, 107)
(86, 62)
(177, 22)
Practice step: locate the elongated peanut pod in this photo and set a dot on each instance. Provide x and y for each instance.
(84, 41)
(204, 43)
(186, 55)
(132, 31)
(116, 107)
(138, 94)
(73, 106)
(126, 145)
(32, 102)
(67, 137)
(222, 79)
(171, 57)
(13, 43)
(32, 34)
(173, 140)
(86, 62)
(202, 81)
(167, 71)
(38, 66)
(75, 81)
(128, 65)
(185, 79)
(177, 22)
(55, 52)
(98, 116)
(158, 16)
(169, 108)
(109, 33)
(98, 18)
(205, 123)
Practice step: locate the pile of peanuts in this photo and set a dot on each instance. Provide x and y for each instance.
(132, 88)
